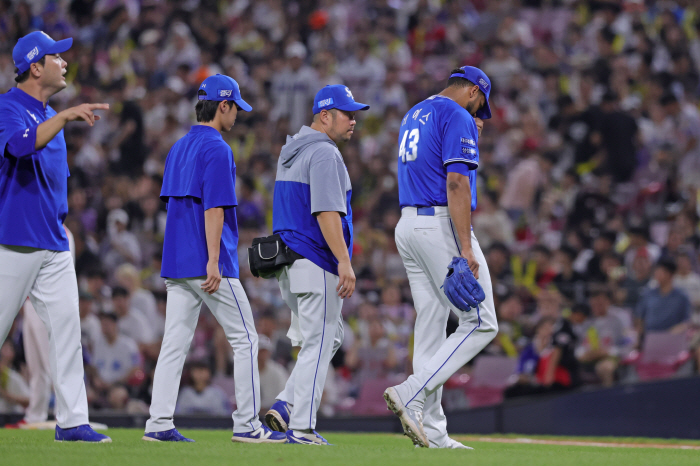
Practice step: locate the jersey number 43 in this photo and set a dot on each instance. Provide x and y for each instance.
(410, 154)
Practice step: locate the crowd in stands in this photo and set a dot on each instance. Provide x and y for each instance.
(587, 183)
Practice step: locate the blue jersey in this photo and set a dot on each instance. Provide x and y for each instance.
(199, 175)
(437, 136)
(33, 183)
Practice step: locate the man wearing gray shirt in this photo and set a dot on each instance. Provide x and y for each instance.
(311, 213)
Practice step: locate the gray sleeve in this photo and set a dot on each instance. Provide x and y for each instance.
(327, 182)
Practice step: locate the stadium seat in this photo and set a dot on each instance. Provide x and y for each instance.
(371, 402)
(488, 380)
(661, 356)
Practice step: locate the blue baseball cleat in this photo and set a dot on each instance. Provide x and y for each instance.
(262, 435)
(306, 438)
(171, 435)
(277, 418)
(82, 433)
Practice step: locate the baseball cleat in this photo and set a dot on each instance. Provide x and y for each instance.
(411, 420)
(171, 435)
(454, 444)
(262, 435)
(82, 433)
(306, 438)
(277, 418)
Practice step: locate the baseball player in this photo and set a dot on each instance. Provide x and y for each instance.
(200, 264)
(34, 256)
(438, 158)
(311, 212)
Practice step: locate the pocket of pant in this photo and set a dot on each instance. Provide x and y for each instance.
(424, 231)
(304, 277)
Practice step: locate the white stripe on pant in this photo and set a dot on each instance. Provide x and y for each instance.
(427, 245)
(311, 294)
(48, 278)
(230, 306)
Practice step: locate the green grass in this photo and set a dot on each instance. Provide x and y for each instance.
(214, 447)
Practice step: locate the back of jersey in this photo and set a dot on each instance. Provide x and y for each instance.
(437, 136)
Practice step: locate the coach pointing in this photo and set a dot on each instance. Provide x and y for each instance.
(34, 256)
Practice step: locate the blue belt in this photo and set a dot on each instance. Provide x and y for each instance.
(427, 211)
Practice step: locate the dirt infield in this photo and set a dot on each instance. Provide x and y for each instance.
(578, 443)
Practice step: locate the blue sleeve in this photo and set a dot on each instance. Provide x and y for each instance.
(459, 141)
(218, 178)
(15, 137)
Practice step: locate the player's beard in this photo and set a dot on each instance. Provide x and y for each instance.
(471, 108)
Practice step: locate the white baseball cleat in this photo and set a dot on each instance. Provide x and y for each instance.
(452, 443)
(411, 420)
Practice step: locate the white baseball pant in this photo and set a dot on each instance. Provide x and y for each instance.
(36, 352)
(427, 245)
(231, 307)
(317, 326)
(48, 277)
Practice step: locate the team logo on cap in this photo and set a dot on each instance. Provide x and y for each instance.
(347, 90)
(33, 53)
(325, 102)
(484, 84)
(225, 93)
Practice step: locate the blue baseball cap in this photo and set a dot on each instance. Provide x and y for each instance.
(33, 46)
(478, 77)
(336, 96)
(221, 87)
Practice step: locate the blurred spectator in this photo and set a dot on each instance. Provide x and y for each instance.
(14, 391)
(273, 376)
(90, 328)
(637, 279)
(603, 340)
(293, 89)
(490, 223)
(373, 358)
(141, 300)
(539, 366)
(133, 325)
(121, 245)
(201, 397)
(116, 357)
(570, 283)
(510, 340)
(687, 280)
(663, 308)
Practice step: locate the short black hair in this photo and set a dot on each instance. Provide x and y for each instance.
(569, 252)
(458, 81)
(20, 78)
(119, 291)
(667, 263)
(206, 109)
